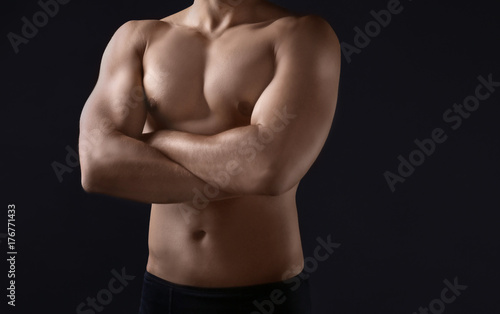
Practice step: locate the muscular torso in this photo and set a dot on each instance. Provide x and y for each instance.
(204, 85)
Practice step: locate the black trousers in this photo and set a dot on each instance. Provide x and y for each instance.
(162, 297)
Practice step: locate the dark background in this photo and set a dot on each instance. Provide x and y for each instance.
(396, 248)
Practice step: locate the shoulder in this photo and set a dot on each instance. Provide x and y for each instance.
(306, 23)
(137, 33)
(137, 29)
(311, 29)
(308, 36)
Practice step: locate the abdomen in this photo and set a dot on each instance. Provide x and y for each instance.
(242, 241)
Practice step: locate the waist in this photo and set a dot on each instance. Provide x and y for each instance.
(284, 285)
(225, 246)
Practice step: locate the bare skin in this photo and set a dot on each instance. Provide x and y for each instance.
(213, 115)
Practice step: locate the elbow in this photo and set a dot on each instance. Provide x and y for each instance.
(275, 185)
(90, 179)
(272, 181)
(87, 186)
(91, 171)
(89, 183)
(98, 175)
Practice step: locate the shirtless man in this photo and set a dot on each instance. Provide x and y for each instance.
(213, 115)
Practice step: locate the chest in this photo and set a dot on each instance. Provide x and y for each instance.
(199, 85)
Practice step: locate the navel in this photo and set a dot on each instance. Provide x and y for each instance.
(199, 234)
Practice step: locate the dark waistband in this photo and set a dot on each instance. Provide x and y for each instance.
(282, 285)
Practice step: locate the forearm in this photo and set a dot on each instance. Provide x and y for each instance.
(127, 168)
(236, 160)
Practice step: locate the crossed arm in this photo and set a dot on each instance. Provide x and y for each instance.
(113, 159)
(289, 126)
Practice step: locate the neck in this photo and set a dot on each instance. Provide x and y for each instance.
(214, 16)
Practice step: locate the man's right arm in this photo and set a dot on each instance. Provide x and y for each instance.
(113, 160)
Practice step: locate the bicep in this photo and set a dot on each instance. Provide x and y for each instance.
(297, 108)
(117, 102)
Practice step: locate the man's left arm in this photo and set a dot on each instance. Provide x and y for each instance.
(289, 124)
